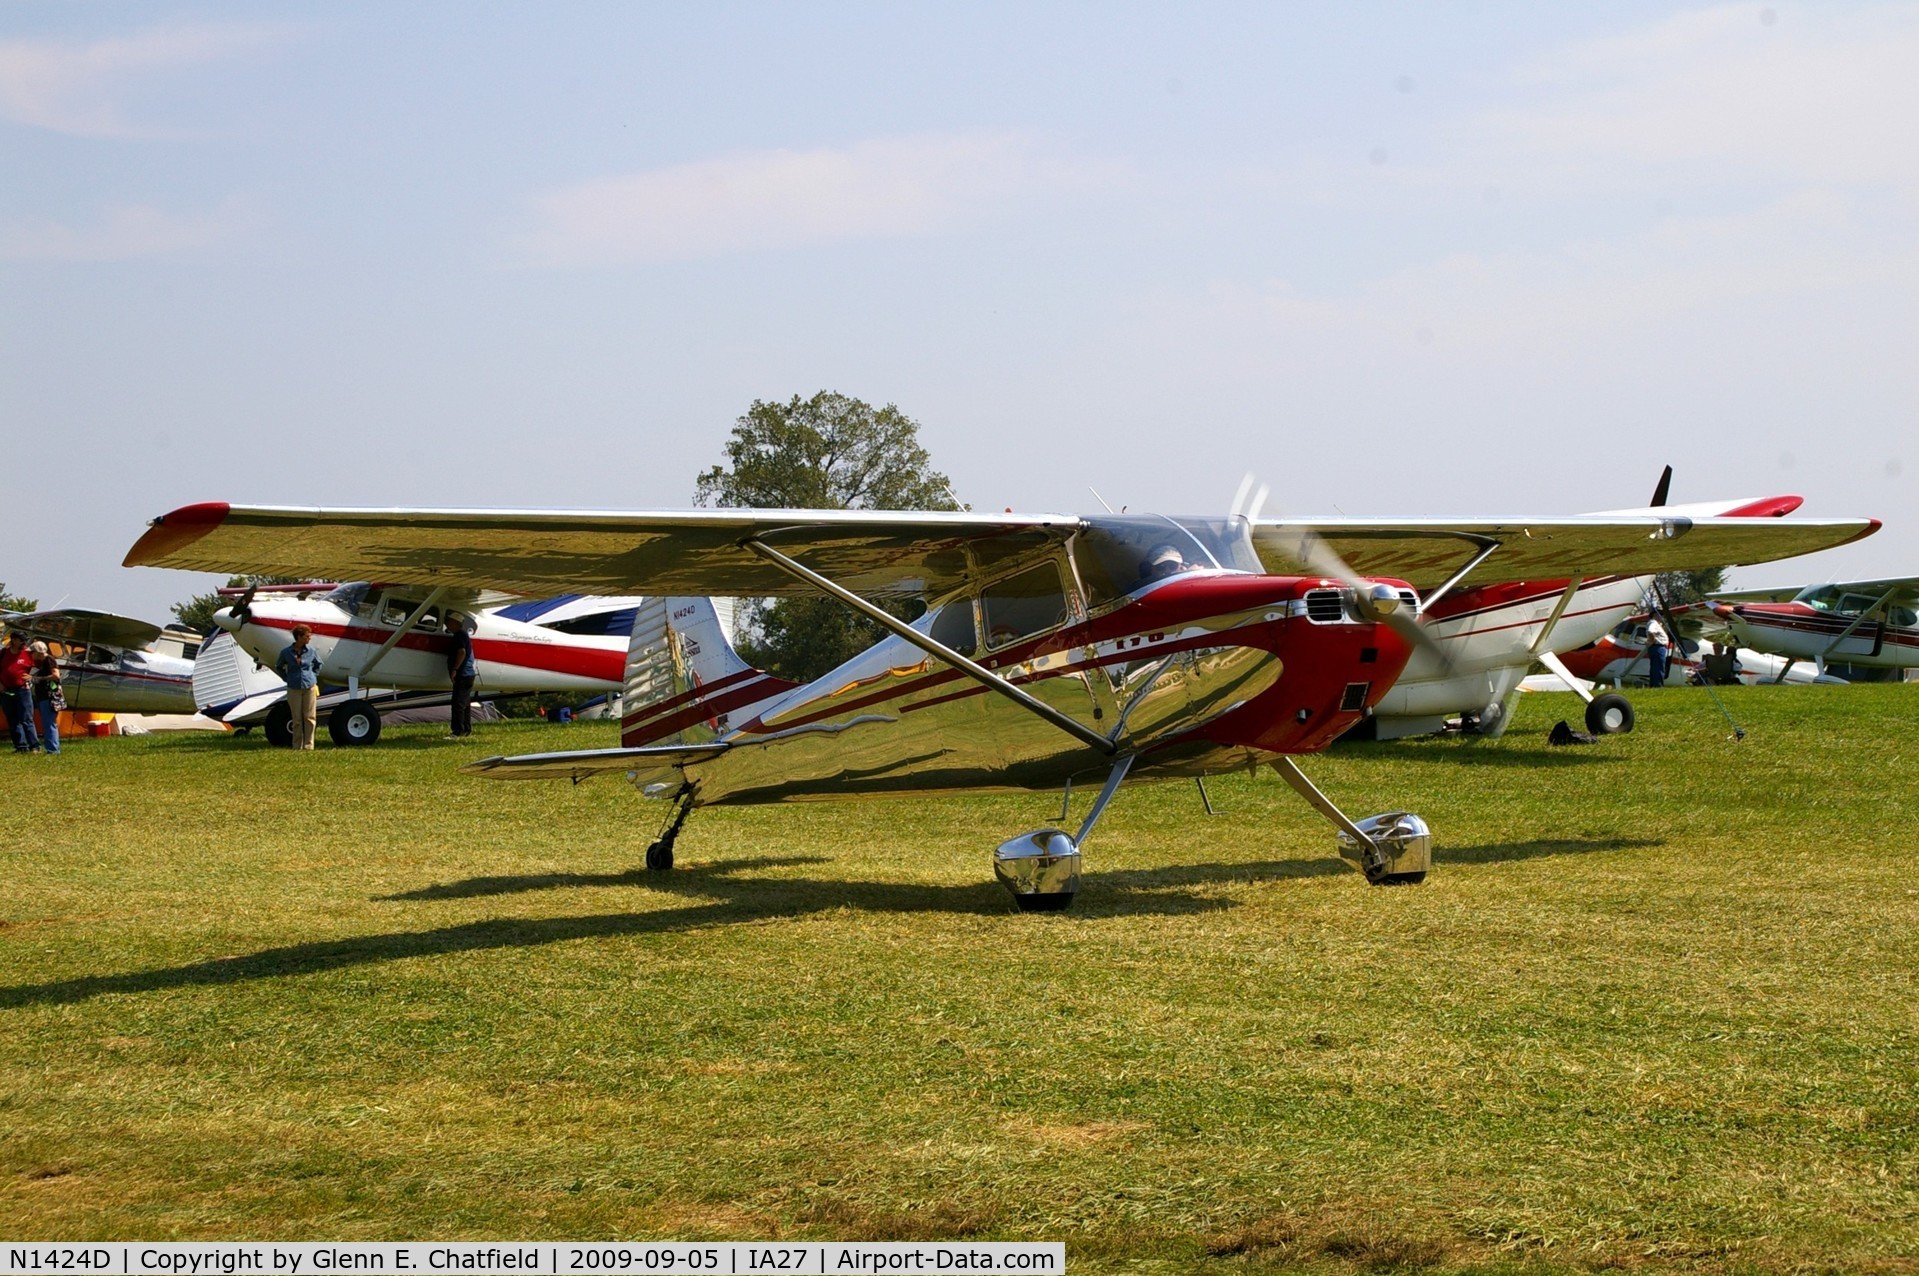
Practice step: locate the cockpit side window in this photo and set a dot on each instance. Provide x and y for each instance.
(1023, 605)
(953, 627)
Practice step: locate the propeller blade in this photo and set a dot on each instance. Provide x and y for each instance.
(243, 610)
(1382, 602)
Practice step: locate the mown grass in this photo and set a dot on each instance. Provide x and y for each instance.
(1655, 1008)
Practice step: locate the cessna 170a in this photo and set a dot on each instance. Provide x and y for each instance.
(114, 664)
(393, 637)
(1055, 649)
(1867, 624)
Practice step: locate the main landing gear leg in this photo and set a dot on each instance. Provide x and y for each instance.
(1394, 849)
(1041, 869)
(659, 856)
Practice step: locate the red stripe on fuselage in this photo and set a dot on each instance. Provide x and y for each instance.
(601, 664)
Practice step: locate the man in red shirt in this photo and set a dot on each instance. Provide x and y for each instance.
(16, 675)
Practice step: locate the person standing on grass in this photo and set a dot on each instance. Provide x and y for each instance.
(299, 664)
(16, 694)
(48, 697)
(461, 669)
(1658, 652)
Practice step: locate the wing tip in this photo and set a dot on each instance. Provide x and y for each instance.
(172, 532)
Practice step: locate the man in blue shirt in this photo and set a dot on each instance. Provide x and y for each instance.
(461, 669)
(299, 664)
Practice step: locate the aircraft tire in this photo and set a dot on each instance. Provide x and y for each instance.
(659, 857)
(1610, 714)
(354, 723)
(1056, 902)
(278, 726)
(1402, 879)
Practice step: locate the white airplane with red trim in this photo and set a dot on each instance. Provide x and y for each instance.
(394, 637)
(1869, 624)
(1488, 637)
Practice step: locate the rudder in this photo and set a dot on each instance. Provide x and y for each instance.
(685, 684)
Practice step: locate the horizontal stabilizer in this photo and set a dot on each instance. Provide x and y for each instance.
(643, 766)
(253, 705)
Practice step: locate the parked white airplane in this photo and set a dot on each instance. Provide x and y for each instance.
(387, 645)
(1871, 624)
(1487, 638)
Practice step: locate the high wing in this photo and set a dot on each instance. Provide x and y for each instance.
(545, 551)
(1427, 553)
(887, 554)
(79, 625)
(1903, 590)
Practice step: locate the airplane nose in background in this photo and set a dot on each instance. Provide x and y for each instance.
(226, 620)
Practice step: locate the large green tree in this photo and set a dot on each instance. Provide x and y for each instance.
(1676, 588)
(826, 452)
(15, 602)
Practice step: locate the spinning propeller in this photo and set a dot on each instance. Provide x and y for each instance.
(1379, 602)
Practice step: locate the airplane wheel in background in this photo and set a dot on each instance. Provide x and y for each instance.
(354, 723)
(659, 857)
(1054, 902)
(1610, 714)
(278, 727)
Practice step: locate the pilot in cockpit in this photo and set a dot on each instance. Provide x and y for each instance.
(1161, 561)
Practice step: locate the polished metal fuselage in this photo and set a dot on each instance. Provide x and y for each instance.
(127, 682)
(1196, 675)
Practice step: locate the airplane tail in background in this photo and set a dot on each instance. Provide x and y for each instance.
(685, 684)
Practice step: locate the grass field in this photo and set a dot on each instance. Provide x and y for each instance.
(1655, 1008)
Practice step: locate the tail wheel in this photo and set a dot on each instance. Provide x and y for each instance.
(354, 723)
(1610, 714)
(278, 727)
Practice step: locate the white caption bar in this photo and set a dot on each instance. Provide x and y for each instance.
(520, 1258)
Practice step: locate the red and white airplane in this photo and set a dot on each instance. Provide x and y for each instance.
(1619, 659)
(1056, 649)
(392, 637)
(1488, 636)
(1868, 624)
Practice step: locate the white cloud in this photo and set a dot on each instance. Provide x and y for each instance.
(121, 234)
(76, 88)
(1819, 95)
(786, 198)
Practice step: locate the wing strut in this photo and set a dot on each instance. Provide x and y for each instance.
(939, 651)
(1487, 548)
(1857, 621)
(405, 628)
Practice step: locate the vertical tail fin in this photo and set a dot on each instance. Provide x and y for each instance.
(684, 682)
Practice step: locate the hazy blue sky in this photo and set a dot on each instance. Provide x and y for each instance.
(1453, 258)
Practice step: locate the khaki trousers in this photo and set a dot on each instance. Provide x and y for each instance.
(305, 706)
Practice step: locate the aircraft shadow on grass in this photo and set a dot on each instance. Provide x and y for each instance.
(1121, 892)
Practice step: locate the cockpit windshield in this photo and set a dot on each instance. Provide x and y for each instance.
(1117, 554)
(348, 598)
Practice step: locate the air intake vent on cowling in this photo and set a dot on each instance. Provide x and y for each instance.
(1354, 698)
(1325, 606)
